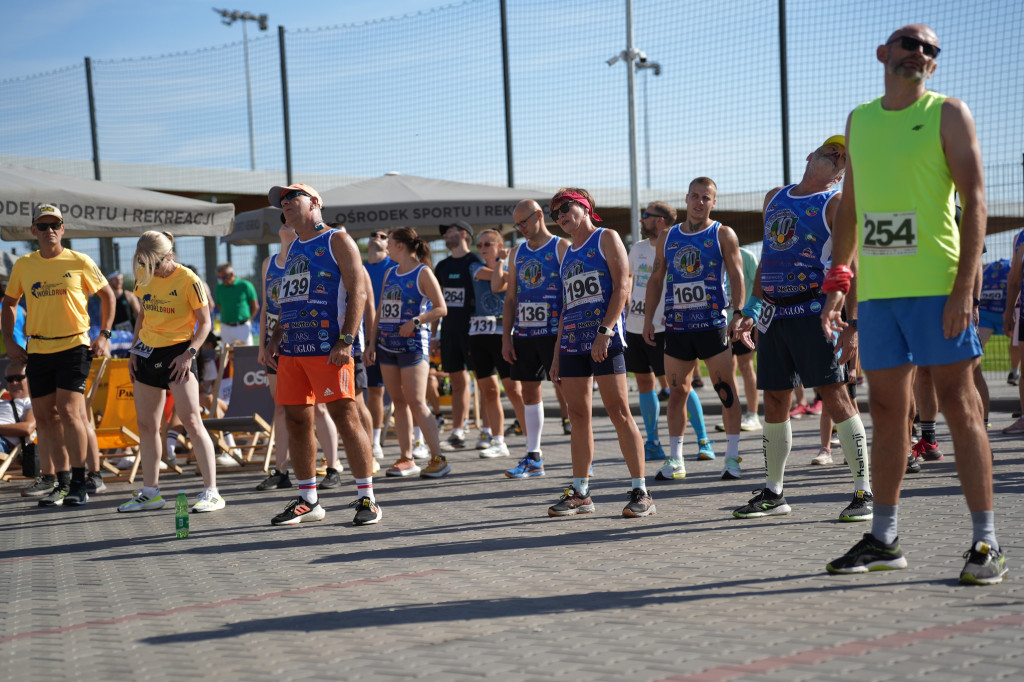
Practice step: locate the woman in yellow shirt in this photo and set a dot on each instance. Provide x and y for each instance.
(172, 325)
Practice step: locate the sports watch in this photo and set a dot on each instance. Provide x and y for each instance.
(605, 331)
(106, 333)
(348, 339)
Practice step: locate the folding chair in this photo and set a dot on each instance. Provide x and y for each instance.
(117, 424)
(250, 414)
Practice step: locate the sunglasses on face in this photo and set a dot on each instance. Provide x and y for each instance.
(291, 194)
(911, 45)
(378, 235)
(646, 215)
(14, 377)
(49, 226)
(564, 208)
(487, 244)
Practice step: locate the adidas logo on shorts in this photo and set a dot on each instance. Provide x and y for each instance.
(328, 392)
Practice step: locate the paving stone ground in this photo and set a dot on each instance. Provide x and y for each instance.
(466, 578)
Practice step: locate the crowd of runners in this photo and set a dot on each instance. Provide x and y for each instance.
(883, 277)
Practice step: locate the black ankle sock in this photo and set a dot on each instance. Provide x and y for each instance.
(78, 474)
(64, 478)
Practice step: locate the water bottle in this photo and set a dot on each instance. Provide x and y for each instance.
(181, 516)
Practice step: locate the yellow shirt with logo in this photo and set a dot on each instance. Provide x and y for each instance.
(57, 292)
(170, 304)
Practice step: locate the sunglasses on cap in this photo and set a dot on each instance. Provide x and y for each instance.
(911, 45)
(14, 377)
(292, 193)
(563, 208)
(648, 214)
(49, 226)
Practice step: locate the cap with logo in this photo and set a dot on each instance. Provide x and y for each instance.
(47, 210)
(275, 193)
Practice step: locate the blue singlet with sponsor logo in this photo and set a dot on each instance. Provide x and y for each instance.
(312, 298)
(586, 291)
(694, 296)
(402, 300)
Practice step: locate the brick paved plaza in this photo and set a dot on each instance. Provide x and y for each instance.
(467, 578)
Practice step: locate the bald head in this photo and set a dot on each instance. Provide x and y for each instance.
(524, 209)
(915, 31)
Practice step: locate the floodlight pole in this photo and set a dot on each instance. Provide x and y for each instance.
(230, 17)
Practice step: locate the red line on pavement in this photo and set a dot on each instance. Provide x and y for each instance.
(723, 673)
(216, 605)
(17, 559)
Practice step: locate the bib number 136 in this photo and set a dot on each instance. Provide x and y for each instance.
(890, 234)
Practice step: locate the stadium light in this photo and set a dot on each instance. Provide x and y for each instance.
(229, 17)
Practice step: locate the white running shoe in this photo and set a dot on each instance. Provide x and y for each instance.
(495, 450)
(483, 442)
(732, 472)
(140, 502)
(378, 451)
(208, 501)
(673, 469)
(750, 422)
(420, 450)
(227, 461)
(823, 457)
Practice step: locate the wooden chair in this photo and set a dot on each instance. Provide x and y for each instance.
(249, 417)
(118, 421)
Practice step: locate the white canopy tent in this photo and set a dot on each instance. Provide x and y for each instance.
(101, 209)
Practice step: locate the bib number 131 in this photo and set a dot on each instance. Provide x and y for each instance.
(890, 234)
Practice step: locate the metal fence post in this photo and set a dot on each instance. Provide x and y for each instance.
(508, 94)
(284, 104)
(106, 243)
(784, 91)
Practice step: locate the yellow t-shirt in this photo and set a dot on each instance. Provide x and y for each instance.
(170, 304)
(57, 292)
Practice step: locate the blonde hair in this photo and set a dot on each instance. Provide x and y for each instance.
(490, 231)
(152, 248)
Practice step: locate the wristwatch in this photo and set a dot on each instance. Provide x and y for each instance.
(852, 323)
(348, 339)
(191, 351)
(416, 322)
(107, 333)
(605, 331)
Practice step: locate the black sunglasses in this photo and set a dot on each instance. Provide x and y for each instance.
(911, 45)
(563, 208)
(378, 235)
(647, 214)
(294, 193)
(14, 377)
(49, 226)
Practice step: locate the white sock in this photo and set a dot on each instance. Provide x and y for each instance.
(376, 436)
(498, 440)
(417, 435)
(534, 426)
(212, 491)
(675, 448)
(229, 439)
(364, 488)
(307, 489)
(732, 445)
(485, 431)
(855, 449)
(172, 440)
(150, 492)
(459, 432)
(778, 442)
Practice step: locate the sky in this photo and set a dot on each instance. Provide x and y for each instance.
(45, 35)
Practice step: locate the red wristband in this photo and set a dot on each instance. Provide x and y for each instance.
(837, 279)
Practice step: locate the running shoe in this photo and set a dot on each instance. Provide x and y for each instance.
(226, 461)
(276, 481)
(860, 509)
(824, 456)
(299, 511)
(367, 512)
(673, 469)
(1015, 427)
(439, 418)
(571, 503)
(640, 504)
(42, 486)
(374, 466)
(403, 467)
(814, 408)
(653, 450)
(705, 450)
(484, 441)
(732, 472)
(527, 467)
(750, 422)
(54, 498)
(514, 430)
(1013, 378)
(798, 412)
(834, 438)
(720, 428)
(208, 501)
(566, 426)
(929, 452)
(378, 451)
(141, 502)
(437, 468)
(913, 464)
(94, 483)
(420, 450)
(663, 395)
(331, 479)
(77, 494)
(697, 382)
(869, 554)
(763, 503)
(985, 565)
(453, 443)
(495, 450)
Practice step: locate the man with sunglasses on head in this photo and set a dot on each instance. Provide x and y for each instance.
(645, 361)
(529, 322)
(908, 152)
(237, 304)
(377, 264)
(57, 283)
(455, 276)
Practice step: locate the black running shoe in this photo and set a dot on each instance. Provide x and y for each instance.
(870, 554)
(42, 486)
(985, 565)
(860, 509)
(640, 504)
(571, 503)
(514, 429)
(54, 498)
(566, 427)
(77, 494)
(330, 480)
(94, 483)
(763, 503)
(299, 511)
(367, 512)
(913, 464)
(276, 481)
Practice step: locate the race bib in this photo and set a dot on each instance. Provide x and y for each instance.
(141, 349)
(991, 294)
(483, 324)
(889, 234)
(390, 311)
(455, 297)
(637, 307)
(765, 318)
(583, 288)
(532, 314)
(125, 326)
(272, 322)
(294, 288)
(689, 295)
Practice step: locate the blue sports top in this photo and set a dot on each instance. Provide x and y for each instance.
(694, 296)
(312, 298)
(538, 290)
(487, 313)
(993, 286)
(402, 300)
(586, 292)
(273, 290)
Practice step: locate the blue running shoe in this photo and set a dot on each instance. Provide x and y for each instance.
(653, 450)
(527, 468)
(705, 451)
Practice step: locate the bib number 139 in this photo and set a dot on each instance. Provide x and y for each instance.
(890, 234)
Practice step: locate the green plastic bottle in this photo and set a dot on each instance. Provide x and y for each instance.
(181, 516)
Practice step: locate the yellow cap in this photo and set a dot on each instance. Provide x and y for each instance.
(839, 140)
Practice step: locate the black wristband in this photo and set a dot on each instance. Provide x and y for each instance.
(852, 323)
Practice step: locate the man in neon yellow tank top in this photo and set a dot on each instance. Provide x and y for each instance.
(909, 150)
